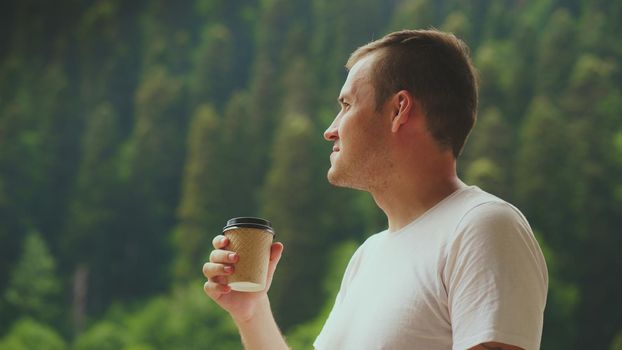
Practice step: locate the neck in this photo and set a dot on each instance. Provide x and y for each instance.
(409, 192)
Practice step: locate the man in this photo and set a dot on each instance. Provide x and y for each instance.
(457, 268)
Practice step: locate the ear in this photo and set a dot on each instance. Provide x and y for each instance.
(402, 105)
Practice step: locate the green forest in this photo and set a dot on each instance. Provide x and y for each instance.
(130, 131)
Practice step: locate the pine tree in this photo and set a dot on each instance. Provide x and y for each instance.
(537, 192)
(91, 233)
(486, 154)
(150, 166)
(34, 288)
(246, 141)
(556, 53)
(292, 200)
(215, 72)
(547, 193)
(93, 197)
(594, 117)
(198, 212)
(27, 334)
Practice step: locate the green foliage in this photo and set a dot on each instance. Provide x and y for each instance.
(562, 301)
(92, 205)
(419, 14)
(486, 154)
(293, 188)
(198, 209)
(34, 287)
(182, 319)
(27, 334)
(303, 335)
(542, 138)
(214, 59)
(104, 335)
(555, 56)
(130, 131)
(458, 23)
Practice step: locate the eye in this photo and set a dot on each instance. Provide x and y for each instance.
(343, 104)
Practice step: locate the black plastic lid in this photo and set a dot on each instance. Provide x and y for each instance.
(249, 222)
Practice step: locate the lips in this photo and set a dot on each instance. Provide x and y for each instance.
(335, 151)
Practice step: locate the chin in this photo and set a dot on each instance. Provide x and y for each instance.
(338, 180)
(333, 177)
(330, 176)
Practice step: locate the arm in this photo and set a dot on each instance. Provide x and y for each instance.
(261, 331)
(250, 311)
(495, 346)
(497, 281)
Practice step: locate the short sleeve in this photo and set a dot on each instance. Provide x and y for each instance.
(496, 279)
(332, 324)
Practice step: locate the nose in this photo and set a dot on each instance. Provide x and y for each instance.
(332, 134)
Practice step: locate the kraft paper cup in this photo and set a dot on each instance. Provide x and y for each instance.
(251, 238)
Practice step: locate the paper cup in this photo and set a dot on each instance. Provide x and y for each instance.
(251, 238)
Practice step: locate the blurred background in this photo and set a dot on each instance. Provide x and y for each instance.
(130, 131)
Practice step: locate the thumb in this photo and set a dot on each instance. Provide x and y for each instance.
(276, 251)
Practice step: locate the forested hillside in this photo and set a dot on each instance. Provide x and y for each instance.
(130, 131)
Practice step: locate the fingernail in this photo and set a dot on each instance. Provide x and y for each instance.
(222, 240)
(232, 256)
(228, 269)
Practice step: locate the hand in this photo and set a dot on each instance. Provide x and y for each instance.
(240, 305)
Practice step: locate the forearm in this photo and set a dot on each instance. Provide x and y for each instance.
(495, 346)
(260, 332)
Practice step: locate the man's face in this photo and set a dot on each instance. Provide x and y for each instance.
(359, 133)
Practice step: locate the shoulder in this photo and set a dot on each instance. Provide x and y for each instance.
(371, 242)
(481, 212)
(472, 204)
(495, 237)
(494, 228)
(494, 214)
(493, 261)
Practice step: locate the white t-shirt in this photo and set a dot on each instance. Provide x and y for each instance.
(466, 272)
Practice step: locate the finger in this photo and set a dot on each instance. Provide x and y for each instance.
(220, 280)
(223, 256)
(220, 242)
(215, 290)
(210, 270)
(276, 252)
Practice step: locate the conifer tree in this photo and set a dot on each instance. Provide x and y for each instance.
(94, 103)
(292, 199)
(243, 166)
(92, 199)
(415, 14)
(485, 155)
(214, 59)
(588, 101)
(198, 211)
(537, 191)
(27, 334)
(335, 37)
(91, 232)
(460, 25)
(34, 288)
(556, 53)
(151, 163)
